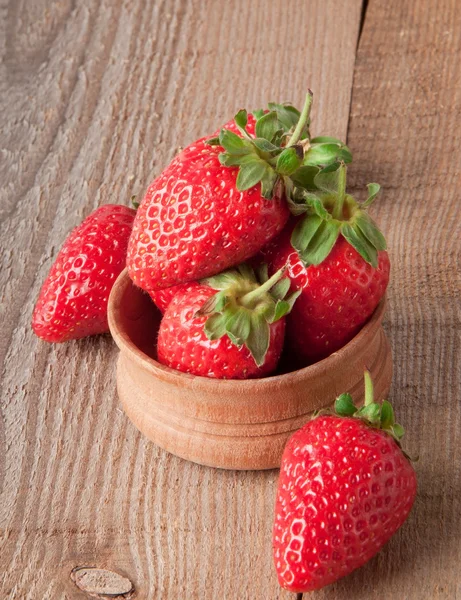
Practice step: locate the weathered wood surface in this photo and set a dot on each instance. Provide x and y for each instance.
(95, 97)
(403, 131)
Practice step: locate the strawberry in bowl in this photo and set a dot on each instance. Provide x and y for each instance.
(335, 255)
(162, 298)
(230, 326)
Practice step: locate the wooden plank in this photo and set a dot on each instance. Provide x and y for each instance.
(95, 98)
(403, 132)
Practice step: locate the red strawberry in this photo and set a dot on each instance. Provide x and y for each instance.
(221, 199)
(345, 488)
(162, 298)
(235, 333)
(73, 300)
(336, 257)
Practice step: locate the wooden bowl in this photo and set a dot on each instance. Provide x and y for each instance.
(230, 424)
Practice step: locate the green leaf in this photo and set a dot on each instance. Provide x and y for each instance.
(222, 280)
(287, 114)
(387, 415)
(280, 289)
(262, 272)
(344, 406)
(268, 182)
(291, 299)
(321, 244)
(304, 177)
(241, 118)
(266, 146)
(332, 168)
(358, 241)
(288, 161)
(233, 143)
(344, 155)
(258, 339)
(373, 190)
(250, 174)
(215, 326)
(326, 139)
(398, 431)
(257, 114)
(297, 208)
(371, 413)
(327, 179)
(230, 160)
(221, 301)
(282, 308)
(134, 202)
(213, 141)
(268, 312)
(278, 137)
(326, 154)
(246, 271)
(267, 126)
(236, 341)
(370, 230)
(239, 324)
(316, 205)
(304, 232)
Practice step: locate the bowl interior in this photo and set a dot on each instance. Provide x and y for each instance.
(139, 319)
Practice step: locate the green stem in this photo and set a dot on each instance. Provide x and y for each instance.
(369, 393)
(337, 212)
(304, 117)
(249, 297)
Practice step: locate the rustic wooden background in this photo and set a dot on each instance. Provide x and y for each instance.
(95, 97)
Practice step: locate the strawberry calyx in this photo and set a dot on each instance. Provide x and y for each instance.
(331, 212)
(282, 148)
(245, 305)
(379, 416)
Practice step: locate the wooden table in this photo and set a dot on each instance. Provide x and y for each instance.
(96, 96)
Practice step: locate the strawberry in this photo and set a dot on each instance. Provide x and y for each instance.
(345, 488)
(236, 332)
(335, 256)
(222, 198)
(163, 297)
(73, 300)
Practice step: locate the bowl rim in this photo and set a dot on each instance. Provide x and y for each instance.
(175, 378)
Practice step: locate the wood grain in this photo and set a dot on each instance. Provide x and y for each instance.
(96, 95)
(403, 132)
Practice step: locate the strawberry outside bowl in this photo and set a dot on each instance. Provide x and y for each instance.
(231, 424)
